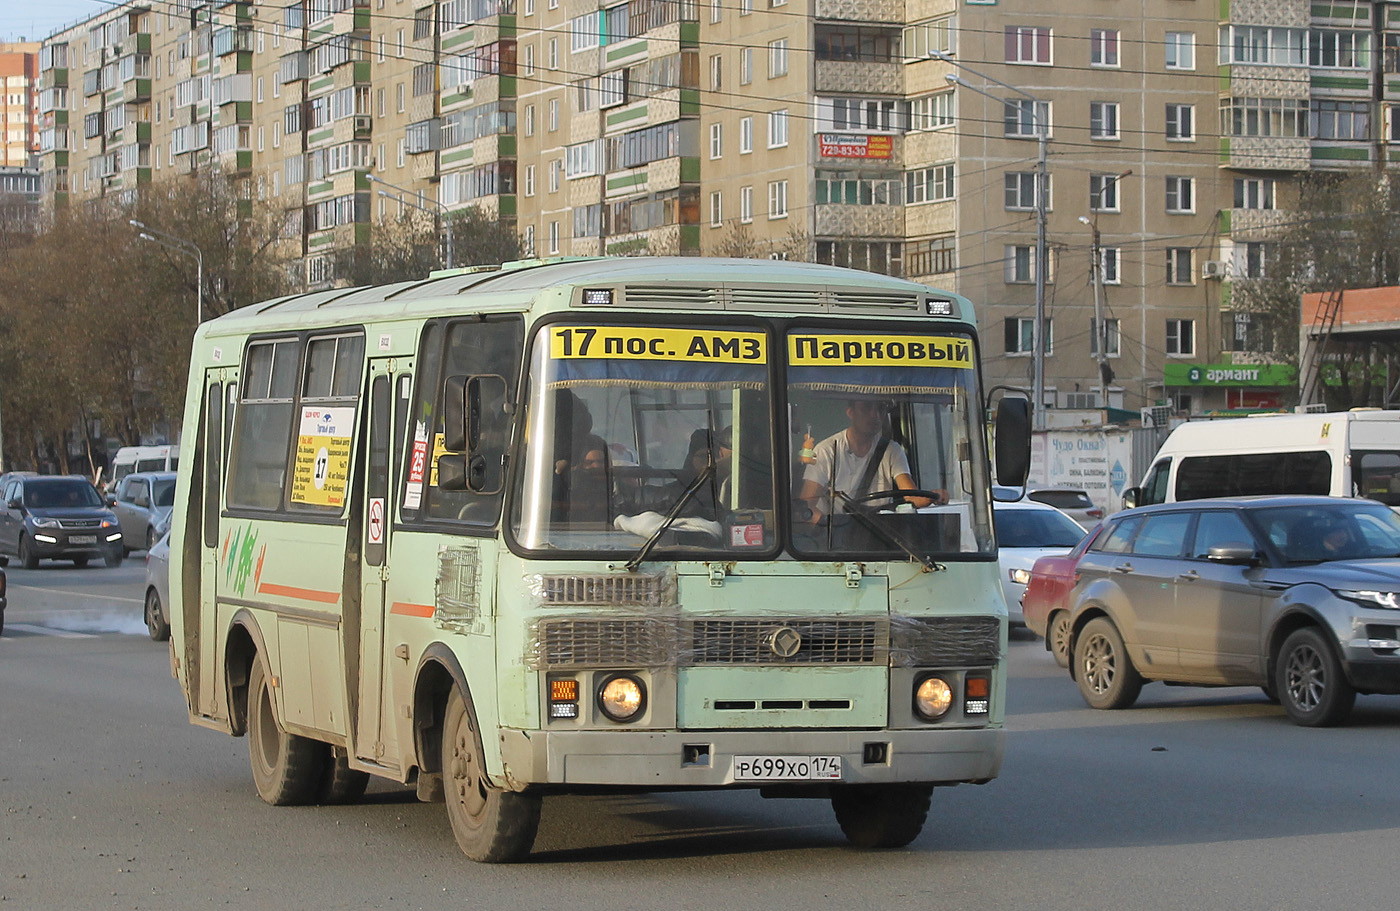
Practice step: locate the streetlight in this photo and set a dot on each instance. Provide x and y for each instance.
(1042, 181)
(1096, 261)
(441, 209)
(179, 245)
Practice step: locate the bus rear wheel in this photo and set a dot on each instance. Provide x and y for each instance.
(491, 825)
(881, 815)
(286, 767)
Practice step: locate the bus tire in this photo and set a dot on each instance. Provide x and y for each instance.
(491, 826)
(881, 815)
(341, 784)
(286, 767)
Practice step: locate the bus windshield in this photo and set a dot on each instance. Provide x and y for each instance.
(667, 436)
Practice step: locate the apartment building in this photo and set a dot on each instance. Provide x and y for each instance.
(899, 136)
(19, 84)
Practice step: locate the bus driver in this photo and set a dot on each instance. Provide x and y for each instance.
(843, 461)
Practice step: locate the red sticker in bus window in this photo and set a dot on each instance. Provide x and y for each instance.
(746, 536)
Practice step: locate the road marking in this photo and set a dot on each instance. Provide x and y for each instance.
(62, 591)
(47, 631)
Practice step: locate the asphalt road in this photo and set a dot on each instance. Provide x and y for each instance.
(1195, 799)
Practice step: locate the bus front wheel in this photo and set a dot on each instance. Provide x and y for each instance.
(491, 825)
(286, 767)
(881, 815)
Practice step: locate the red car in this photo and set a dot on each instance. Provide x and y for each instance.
(1046, 602)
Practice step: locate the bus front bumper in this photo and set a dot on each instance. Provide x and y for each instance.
(705, 759)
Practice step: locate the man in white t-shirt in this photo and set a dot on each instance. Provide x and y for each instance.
(842, 460)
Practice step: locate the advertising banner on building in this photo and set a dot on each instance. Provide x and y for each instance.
(1095, 461)
(845, 145)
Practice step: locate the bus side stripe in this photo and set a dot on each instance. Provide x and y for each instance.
(302, 594)
(412, 610)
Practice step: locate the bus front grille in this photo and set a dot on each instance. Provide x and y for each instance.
(933, 641)
(624, 642)
(606, 589)
(792, 641)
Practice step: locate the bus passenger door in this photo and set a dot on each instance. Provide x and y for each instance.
(388, 391)
(200, 612)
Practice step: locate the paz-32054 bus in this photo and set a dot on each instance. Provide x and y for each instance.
(643, 523)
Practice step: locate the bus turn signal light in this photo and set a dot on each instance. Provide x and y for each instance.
(563, 698)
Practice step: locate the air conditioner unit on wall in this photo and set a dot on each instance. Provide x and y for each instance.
(362, 123)
(1213, 268)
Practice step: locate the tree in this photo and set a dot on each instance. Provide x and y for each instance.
(409, 248)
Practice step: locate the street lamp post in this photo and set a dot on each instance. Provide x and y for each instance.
(179, 245)
(1096, 275)
(1042, 181)
(442, 210)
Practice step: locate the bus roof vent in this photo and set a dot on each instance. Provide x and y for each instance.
(778, 299)
(877, 300)
(690, 298)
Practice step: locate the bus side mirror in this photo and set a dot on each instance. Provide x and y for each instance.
(454, 414)
(1131, 496)
(1013, 441)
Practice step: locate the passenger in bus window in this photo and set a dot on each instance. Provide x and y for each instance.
(843, 461)
(590, 483)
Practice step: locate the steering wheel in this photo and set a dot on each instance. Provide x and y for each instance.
(899, 493)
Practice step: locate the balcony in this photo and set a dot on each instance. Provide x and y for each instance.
(867, 10)
(836, 220)
(1266, 153)
(858, 77)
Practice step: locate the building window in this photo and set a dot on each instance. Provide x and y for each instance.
(1181, 122)
(746, 205)
(1181, 337)
(1254, 192)
(745, 65)
(529, 120)
(1103, 193)
(929, 184)
(1180, 261)
(922, 40)
(716, 210)
(1024, 118)
(777, 199)
(529, 180)
(877, 115)
(930, 257)
(931, 112)
(1263, 44)
(1103, 47)
(554, 237)
(1019, 260)
(745, 135)
(716, 140)
(1020, 336)
(1110, 337)
(553, 114)
(777, 58)
(1103, 120)
(1339, 49)
(1241, 331)
(553, 55)
(1110, 261)
(1287, 117)
(777, 129)
(1181, 50)
(716, 72)
(1020, 191)
(881, 256)
(860, 43)
(1255, 261)
(1341, 119)
(1027, 44)
(1181, 196)
(853, 188)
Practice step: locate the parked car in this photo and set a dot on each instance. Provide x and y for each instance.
(1026, 531)
(1071, 501)
(1045, 604)
(57, 517)
(1297, 595)
(143, 502)
(158, 589)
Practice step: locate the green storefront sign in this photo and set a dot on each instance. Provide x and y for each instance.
(1221, 375)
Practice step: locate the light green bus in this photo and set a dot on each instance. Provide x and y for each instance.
(578, 524)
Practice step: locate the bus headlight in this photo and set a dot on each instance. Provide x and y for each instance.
(622, 698)
(932, 698)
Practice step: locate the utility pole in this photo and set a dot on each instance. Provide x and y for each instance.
(1096, 276)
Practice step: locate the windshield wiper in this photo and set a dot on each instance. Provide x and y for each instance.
(671, 516)
(889, 535)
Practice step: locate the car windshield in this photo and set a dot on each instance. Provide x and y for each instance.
(1377, 475)
(1325, 532)
(60, 494)
(1036, 528)
(164, 493)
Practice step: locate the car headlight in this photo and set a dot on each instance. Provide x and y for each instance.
(1389, 600)
(622, 698)
(45, 522)
(932, 698)
(1020, 576)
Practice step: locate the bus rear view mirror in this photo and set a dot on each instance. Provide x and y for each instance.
(452, 472)
(1013, 441)
(454, 414)
(487, 415)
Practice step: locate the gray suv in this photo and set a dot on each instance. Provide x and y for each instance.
(1298, 595)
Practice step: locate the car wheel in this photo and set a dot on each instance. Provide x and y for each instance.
(155, 618)
(286, 767)
(491, 825)
(27, 556)
(1310, 683)
(1057, 637)
(340, 784)
(881, 816)
(1104, 672)
(114, 559)
(150, 538)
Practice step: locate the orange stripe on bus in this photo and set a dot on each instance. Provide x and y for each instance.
(412, 610)
(302, 594)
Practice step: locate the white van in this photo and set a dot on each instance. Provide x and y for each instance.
(1339, 454)
(142, 458)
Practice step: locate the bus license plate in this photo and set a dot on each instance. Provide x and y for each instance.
(82, 539)
(787, 768)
